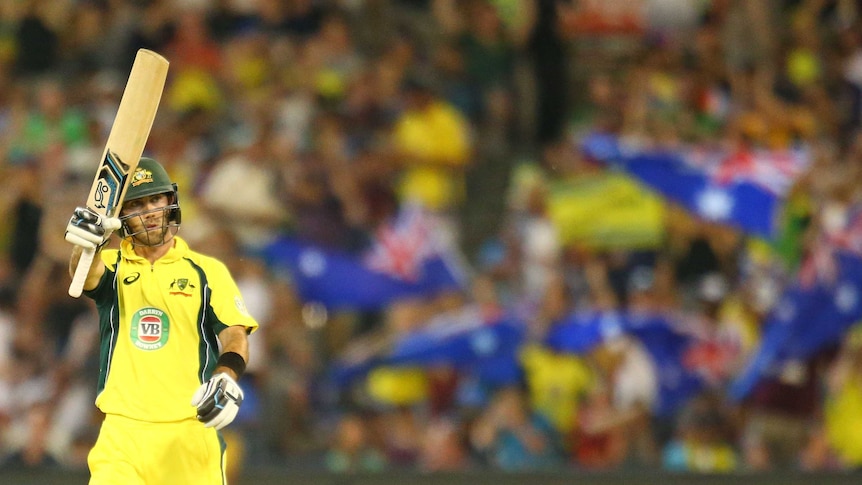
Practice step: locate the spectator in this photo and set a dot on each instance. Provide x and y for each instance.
(550, 69)
(781, 414)
(443, 448)
(702, 444)
(27, 214)
(27, 408)
(632, 378)
(433, 173)
(322, 118)
(52, 124)
(842, 411)
(558, 386)
(38, 43)
(256, 221)
(34, 452)
(593, 447)
(351, 450)
(513, 438)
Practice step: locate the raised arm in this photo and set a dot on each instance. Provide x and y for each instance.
(88, 230)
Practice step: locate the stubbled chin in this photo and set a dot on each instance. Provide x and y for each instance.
(154, 237)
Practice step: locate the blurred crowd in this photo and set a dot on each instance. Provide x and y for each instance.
(320, 118)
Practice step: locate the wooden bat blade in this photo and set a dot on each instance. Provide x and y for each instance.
(125, 145)
(129, 133)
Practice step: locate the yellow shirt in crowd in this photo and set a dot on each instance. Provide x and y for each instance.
(436, 145)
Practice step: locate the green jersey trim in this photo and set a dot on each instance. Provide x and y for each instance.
(207, 328)
(109, 321)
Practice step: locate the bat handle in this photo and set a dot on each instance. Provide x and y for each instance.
(81, 272)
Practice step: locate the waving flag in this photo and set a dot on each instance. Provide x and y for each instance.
(817, 310)
(820, 265)
(606, 211)
(401, 247)
(744, 188)
(581, 332)
(466, 339)
(405, 260)
(680, 372)
(803, 322)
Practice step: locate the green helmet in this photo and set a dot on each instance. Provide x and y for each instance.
(149, 178)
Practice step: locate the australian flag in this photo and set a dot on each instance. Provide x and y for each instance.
(406, 259)
(680, 372)
(466, 339)
(821, 264)
(742, 188)
(816, 310)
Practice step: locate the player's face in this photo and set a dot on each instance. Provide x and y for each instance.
(147, 219)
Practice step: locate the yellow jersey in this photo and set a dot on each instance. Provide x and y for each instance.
(557, 383)
(158, 325)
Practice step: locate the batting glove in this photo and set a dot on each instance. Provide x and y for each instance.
(218, 401)
(89, 229)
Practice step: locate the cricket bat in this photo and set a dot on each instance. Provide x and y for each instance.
(125, 145)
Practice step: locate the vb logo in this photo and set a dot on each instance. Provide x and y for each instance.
(150, 328)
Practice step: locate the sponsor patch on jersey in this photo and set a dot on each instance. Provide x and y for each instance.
(150, 328)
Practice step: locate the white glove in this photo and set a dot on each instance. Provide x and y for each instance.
(218, 401)
(89, 229)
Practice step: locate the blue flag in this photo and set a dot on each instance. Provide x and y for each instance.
(403, 261)
(465, 340)
(581, 332)
(807, 319)
(744, 188)
(817, 309)
(679, 376)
